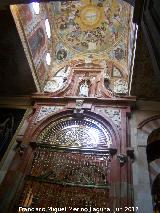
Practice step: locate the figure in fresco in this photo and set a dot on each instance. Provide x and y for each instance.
(37, 41)
(84, 89)
(107, 14)
(61, 23)
(71, 16)
(41, 72)
(105, 67)
(119, 53)
(106, 75)
(61, 54)
(26, 14)
(114, 33)
(117, 14)
(116, 72)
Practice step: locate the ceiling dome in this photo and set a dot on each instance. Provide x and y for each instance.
(90, 26)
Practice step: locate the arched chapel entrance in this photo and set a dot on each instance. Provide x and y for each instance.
(76, 164)
(75, 150)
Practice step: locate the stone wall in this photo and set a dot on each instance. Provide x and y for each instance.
(144, 120)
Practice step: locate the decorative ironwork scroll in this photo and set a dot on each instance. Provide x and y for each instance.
(71, 166)
(38, 194)
(113, 114)
(67, 179)
(72, 132)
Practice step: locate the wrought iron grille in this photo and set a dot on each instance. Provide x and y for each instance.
(71, 166)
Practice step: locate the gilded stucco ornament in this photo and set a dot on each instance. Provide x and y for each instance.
(45, 111)
(76, 132)
(58, 81)
(113, 114)
(120, 86)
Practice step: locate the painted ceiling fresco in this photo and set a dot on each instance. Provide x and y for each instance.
(96, 31)
(100, 28)
(30, 21)
(90, 27)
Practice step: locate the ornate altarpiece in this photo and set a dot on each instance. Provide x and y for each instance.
(76, 150)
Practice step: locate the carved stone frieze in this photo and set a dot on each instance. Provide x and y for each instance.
(113, 114)
(45, 111)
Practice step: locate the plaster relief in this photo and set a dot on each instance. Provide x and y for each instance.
(113, 114)
(120, 86)
(47, 110)
(58, 81)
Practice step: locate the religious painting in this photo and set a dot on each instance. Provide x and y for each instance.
(61, 54)
(119, 52)
(41, 71)
(25, 14)
(37, 41)
(9, 122)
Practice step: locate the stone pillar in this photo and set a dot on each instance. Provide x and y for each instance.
(141, 181)
(143, 190)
